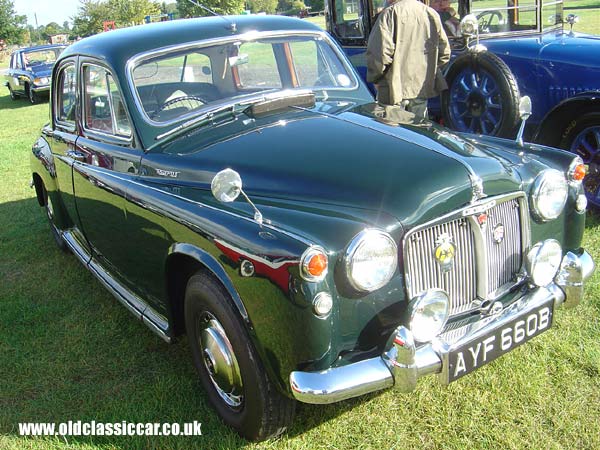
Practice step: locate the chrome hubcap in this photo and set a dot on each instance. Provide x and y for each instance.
(219, 360)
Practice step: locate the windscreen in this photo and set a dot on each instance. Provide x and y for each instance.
(184, 81)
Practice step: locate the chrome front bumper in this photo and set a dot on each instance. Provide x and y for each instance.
(41, 88)
(402, 363)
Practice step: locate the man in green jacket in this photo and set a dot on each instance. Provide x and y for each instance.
(406, 49)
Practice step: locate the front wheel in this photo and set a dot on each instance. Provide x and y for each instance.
(230, 370)
(482, 96)
(582, 137)
(13, 96)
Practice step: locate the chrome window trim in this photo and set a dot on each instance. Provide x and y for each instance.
(481, 253)
(252, 35)
(70, 126)
(91, 132)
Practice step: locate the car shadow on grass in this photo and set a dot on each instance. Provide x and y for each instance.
(73, 353)
(21, 102)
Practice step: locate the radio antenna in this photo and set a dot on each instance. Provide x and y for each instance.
(232, 25)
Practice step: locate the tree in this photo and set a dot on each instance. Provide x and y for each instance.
(93, 13)
(131, 12)
(316, 5)
(12, 26)
(224, 7)
(90, 17)
(268, 6)
(49, 30)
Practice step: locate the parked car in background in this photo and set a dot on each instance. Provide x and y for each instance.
(525, 48)
(230, 178)
(29, 71)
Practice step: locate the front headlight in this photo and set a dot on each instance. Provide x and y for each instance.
(41, 80)
(428, 314)
(371, 260)
(549, 194)
(543, 261)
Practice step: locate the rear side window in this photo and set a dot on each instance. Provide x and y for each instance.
(103, 104)
(66, 94)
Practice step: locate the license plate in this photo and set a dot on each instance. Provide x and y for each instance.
(474, 354)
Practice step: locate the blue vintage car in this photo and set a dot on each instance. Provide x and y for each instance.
(30, 71)
(524, 48)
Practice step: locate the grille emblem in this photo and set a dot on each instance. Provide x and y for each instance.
(498, 233)
(444, 252)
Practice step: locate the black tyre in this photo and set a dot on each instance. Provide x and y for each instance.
(33, 97)
(482, 96)
(582, 137)
(228, 365)
(49, 208)
(13, 96)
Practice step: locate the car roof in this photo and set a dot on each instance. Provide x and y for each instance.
(118, 46)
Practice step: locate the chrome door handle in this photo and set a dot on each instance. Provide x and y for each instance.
(77, 156)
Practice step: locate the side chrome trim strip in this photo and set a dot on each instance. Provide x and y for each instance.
(295, 236)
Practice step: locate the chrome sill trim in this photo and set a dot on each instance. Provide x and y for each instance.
(135, 305)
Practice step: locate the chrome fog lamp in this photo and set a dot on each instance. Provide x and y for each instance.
(549, 194)
(371, 260)
(428, 314)
(543, 261)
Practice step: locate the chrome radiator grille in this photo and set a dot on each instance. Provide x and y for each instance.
(504, 258)
(486, 257)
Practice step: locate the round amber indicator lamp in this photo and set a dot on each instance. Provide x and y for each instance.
(579, 172)
(314, 264)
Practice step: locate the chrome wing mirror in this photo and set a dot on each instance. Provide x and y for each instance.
(226, 186)
(524, 114)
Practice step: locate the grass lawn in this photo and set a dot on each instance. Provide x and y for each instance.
(70, 351)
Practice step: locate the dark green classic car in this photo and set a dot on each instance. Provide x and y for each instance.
(363, 250)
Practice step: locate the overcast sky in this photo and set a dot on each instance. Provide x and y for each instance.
(47, 10)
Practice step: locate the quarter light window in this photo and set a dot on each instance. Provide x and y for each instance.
(66, 90)
(104, 108)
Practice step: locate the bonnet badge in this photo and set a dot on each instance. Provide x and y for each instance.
(444, 252)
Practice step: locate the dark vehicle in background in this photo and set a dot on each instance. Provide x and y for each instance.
(29, 71)
(231, 179)
(525, 48)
